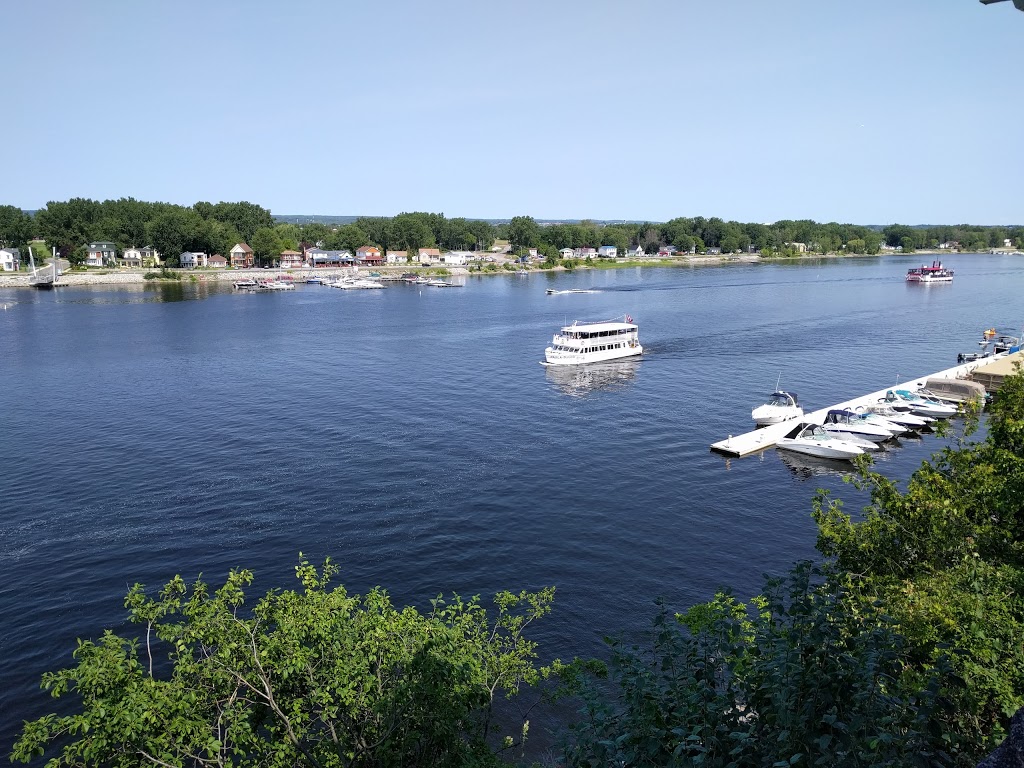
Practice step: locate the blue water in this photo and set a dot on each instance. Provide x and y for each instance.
(411, 435)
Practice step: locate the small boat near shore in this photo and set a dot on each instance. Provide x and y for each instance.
(582, 343)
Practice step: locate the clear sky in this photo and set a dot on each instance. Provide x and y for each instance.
(863, 111)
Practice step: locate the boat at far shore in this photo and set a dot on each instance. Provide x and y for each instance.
(936, 273)
(582, 343)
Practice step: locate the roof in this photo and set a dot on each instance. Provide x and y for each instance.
(101, 245)
(290, 253)
(597, 327)
(243, 247)
(430, 251)
(367, 249)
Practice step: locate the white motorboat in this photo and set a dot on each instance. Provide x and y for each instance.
(922, 406)
(813, 440)
(438, 283)
(844, 424)
(953, 391)
(781, 406)
(881, 421)
(900, 418)
(553, 292)
(582, 343)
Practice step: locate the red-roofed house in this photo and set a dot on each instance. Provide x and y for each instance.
(369, 256)
(291, 259)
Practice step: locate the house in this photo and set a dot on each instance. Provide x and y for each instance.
(397, 257)
(566, 253)
(10, 259)
(318, 258)
(241, 256)
(193, 259)
(607, 251)
(429, 255)
(1007, 242)
(638, 251)
(585, 253)
(217, 261)
(101, 253)
(369, 255)
(667, 250)
(456, 258)
(798, 247)
(712, 251)
(140, 257)
(291, 259)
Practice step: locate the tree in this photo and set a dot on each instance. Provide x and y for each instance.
(802, 676)
(16, 226)
(523, 232)
(178, 230)
(266, 245)
(315, 677)
(907, 243)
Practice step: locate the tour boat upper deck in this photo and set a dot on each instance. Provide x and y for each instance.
(936, 273)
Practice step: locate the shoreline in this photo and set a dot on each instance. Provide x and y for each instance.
(194, 276)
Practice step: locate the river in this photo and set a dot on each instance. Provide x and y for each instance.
(411, 435)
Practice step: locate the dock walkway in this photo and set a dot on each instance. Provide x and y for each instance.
(765, 437)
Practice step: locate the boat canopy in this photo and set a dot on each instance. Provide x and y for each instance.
(587, 330)
(783, 395)
(840, 414)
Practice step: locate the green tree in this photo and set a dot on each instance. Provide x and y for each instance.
(266, 245)
(16, 227)
(314, 677)
(523, 232)
(178, 230)
(907, 243)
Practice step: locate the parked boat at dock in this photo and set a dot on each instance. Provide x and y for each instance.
(843, 423)
(781, 406)
(582, 343)
(936, 273)
(923, 406)
(813, 440)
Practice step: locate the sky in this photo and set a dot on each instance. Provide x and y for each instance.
(866, 112)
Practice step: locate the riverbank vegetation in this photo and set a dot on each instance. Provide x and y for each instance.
(216, 227)
(901, 647)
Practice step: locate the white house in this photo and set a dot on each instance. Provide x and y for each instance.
(191, 260)
(566, 253)
(638, 251)
(396, 257)
(608, 251)
(101, 253)
(456, 258)
(429, 255)
(140, 257)
(10, 259)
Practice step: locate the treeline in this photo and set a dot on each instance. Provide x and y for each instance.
(902, 648)
(215, 227)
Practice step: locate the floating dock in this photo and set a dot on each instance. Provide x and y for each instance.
(988, 371)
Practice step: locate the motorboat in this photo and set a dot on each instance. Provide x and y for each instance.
(954, 391)
(813, 440)
(438, 283)
(781, 406)
(936, 273)
(846, 424)
(874, 418)
(922, 406)
(902, 418)
(553, 292)
(582, 343)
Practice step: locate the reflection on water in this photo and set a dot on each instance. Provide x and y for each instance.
(582, 380)
(806, 467)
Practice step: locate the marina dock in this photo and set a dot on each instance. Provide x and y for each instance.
(988, 371)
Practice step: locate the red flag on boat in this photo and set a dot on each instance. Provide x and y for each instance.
(629, 319)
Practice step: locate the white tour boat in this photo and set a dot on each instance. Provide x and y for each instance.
(936, 273)
(582, 343)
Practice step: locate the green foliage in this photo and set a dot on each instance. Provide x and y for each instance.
(523, 232)
(314, 677)
(809, 677)
(163, 274)
(945, 557)
(16, 227)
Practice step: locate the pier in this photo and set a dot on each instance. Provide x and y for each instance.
(988, 371)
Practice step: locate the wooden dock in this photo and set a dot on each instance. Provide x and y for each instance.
(984, 370)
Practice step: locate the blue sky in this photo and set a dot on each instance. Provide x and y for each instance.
(872, 112)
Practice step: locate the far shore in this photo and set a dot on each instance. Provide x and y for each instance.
(128, 276)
